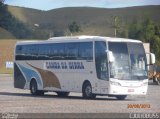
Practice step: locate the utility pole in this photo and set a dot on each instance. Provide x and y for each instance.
(115, 26)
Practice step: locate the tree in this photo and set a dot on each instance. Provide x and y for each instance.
(135, 30)
(2, 8)
(124, 33)
(74, 27)
(146, 31)
(11, 24)
(157, 30)
(116, 25)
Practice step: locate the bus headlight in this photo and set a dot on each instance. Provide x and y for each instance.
(115, 83)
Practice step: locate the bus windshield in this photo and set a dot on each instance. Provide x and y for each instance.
(130, 61)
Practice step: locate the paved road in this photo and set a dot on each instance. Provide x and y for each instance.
(21, 101)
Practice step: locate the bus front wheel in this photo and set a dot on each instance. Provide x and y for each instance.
(34, 90)
(87, 91)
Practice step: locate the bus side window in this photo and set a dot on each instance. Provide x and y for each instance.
(86, 51)
(18, 53)
(101, 60)
(71, 50)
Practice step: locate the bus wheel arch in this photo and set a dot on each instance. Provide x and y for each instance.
(87, 90)
(34, 88)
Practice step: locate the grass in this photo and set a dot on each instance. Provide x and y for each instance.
(7, 47)
(6, 54)
(5, 34)
(3, 70)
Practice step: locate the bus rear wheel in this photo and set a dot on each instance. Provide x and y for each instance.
(34, 90)
(87, 91)
(121, 97)
(62, 94)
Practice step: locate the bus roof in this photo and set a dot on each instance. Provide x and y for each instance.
(78, 39)
(94, 37)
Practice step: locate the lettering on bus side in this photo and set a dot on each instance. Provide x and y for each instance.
(64, 65)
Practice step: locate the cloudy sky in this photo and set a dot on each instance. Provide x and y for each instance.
(52, 4)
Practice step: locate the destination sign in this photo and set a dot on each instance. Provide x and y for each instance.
(65, 65)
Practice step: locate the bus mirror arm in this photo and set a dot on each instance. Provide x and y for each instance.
(149, 64)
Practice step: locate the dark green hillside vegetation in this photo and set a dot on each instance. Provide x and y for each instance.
(92, 21)
(147, 31)
(9, 23)
(4, 34)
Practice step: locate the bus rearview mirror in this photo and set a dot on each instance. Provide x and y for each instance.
(110, 56)
(153, 58)
(150, 58)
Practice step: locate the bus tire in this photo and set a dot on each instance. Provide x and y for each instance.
(87, 91)
(121, 97)
(62, 94)
(154, 79)
(158, 81)
(40, 92)
(34, 90)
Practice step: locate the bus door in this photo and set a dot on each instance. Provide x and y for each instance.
(102, 66)
(103, 77)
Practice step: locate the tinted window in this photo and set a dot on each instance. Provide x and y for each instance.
(43, 52)
(86, 51)
(18, 52)
(101, 60)
(51, 51)
(71, 51)
(55, 51)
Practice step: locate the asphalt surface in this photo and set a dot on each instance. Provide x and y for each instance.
(21, 101)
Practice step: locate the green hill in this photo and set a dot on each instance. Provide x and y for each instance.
(5, 34)
(93, 21)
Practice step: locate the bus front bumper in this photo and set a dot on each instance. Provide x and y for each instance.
(126, 90)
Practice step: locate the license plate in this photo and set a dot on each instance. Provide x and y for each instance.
(130, 90)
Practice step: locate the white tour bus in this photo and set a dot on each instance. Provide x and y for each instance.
(90, 65)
